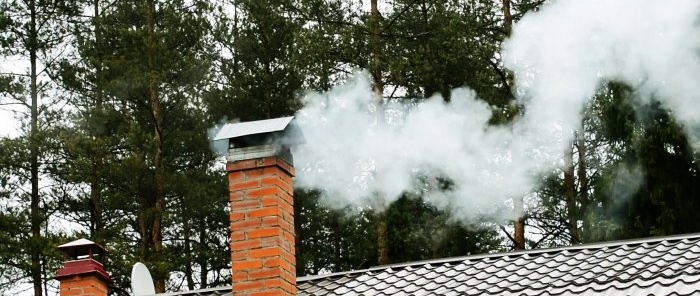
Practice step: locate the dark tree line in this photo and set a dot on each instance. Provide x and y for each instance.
(114, 99)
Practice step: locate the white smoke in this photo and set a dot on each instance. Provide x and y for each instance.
(356, 150)
(562, 53)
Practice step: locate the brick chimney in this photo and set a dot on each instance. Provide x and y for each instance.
(262, 226)
(260, 174)
(81, 274)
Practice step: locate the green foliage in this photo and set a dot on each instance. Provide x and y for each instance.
(332, 240)
(252, 59)
(642, 171)
(419, 231)
(110, 144)
(436, 46)
(666, 199)
(259, 79)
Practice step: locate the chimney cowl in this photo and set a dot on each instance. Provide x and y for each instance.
(82, 248)
(261, 138)
(81, 271)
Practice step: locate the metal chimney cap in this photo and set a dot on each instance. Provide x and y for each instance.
(261, 138)
(82, 247)
(235, 130)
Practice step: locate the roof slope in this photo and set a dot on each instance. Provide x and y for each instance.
(657, 266)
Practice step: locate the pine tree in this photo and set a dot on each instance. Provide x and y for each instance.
(33, 33)
(138, 83)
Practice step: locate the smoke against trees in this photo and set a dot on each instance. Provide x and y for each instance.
(100, 80)
(561, 56)
(354, 154)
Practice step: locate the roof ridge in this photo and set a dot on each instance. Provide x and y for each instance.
(588, 246)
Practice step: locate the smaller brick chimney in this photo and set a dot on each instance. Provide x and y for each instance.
(260, 174)
(81, 274)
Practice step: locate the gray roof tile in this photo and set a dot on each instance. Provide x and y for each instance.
(657, 266)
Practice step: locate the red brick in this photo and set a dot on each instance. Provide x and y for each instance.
(276, 181)
(271, 201)
(273, 241)
(240, 276)
(83, 285)
(265, 252)
(239, 255)
(246, 265)
(271, 221)
(266, 161)
(245, 205)
(235, 176)
(285, 225)
(72, 292)
(273, 262)
(247, 224)
(287, 209)
(285, 167)
(289, 258)
(265, 273)
(246, 245)
(290, 170)
(272, 171)
(284, 265)
(247, 286)
(254, 173)
(238, 235)
(236, 216)
(289, 237)
(264, 212)
(265, 232)
(236, 195)
(71, 282)
(287, 198)
(248, 184)
(288, 287)
(273, 283)
(240, 165)
(274, 292)
(265, 191)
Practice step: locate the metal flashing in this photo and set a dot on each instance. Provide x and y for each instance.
(240, 129)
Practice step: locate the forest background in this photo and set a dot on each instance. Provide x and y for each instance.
(113, 101)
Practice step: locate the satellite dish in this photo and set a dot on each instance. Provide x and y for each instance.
(141, 281)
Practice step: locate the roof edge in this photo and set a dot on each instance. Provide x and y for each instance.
(588, 246)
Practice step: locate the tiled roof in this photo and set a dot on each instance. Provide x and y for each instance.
(218, 291)
(656, 266)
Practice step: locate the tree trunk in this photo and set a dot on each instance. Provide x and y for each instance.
(96, 204)
(519, 223)
(507, 18)
(203, 266)
(376, 70)
(583, 187)
(337, 236)
(376, 67)
(435, 245)
(35, 207)
(518, 204)
(156, 236)
(570, 193)
(298, 237)
(186, 233)
(382, 239)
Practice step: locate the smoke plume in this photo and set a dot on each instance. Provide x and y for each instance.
(357, 150)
